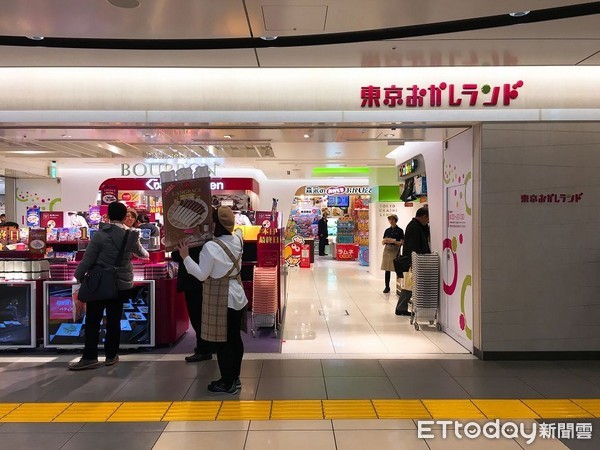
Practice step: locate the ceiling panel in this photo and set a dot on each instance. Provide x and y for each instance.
(427, 53)
(153, 19)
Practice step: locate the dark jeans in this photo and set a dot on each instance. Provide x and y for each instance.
(93, 318)
(230, 353)
(388, 276)
(322, 244)
(194, 307)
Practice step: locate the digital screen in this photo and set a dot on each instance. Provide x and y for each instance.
(65, 317)
(15, 315)
(338, 200)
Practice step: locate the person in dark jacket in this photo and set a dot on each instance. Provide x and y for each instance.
(416, 235)
(103, 251)
(323, 233)
(192, 289)
(392, 240)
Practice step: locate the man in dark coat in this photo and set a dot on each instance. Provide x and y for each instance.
(192, 289)
(416, 235)
(323, 234)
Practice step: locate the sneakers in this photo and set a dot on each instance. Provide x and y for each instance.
(218, 387)
(386, 290)
(111, 361)
(84, 364)
(197, 357)
(237, 383)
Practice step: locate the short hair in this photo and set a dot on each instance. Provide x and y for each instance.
(117, 211)
(422, 212)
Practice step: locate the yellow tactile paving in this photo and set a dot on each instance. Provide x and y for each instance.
(557, 409)
(453, 409)
(349, 409)
(35, 412)
(590, 405)
(505, 409)
(297, 409)
(5, 408)
(190, 411)
(88, 412)
(401, 409)
(140, 412)
(245, 410)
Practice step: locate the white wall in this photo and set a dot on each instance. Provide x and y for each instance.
(540, 262)
(43, 193)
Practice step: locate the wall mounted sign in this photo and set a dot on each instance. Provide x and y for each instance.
(551, 198)
(336, 190)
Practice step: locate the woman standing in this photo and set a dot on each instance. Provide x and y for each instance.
(392, 240)
(103, 250)
(224, 300)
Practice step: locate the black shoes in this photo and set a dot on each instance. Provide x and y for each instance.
(197, 357)
(324, 254)
(111, 361)
(219, 387)
(84, 364)
(386, 290)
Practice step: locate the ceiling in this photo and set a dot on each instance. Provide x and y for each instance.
(276, 150)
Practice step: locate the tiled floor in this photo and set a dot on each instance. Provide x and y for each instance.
(370, 356)
(338, 307)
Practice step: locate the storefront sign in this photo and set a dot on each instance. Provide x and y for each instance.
(153, 184)
(154, 169)
(440, 95)
(337, 190)
(551, 198)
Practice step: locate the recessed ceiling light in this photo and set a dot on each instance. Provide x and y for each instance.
(268, 38)
(228, 136)
(66, 135)
(36, 38)
(389, 135)
(519, 13)
(125, 3)
(307, 136)
(29, 152)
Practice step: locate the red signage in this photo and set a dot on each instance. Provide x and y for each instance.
(346, 252)
(52, 219)
(443, 94)
(153, 184)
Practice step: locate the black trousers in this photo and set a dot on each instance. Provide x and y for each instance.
(322, 244)
(93, 318)
(193, 300)
(230, 353)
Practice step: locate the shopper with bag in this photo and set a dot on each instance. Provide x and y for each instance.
(416, 239)
(392, 241)
(224, 301)
(106, 267)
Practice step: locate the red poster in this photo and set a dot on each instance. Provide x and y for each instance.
(52, 219)
(37, 241)
(61, 308)
(108, 194)
(265, 218)
(305, 257)
(268, 247)
(346, 252)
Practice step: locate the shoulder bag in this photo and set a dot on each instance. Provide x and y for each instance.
(101, 284)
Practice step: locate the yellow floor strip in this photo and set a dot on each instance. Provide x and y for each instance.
(401, 409)
(297, 409)
(590, 405)
(140, 412)
(88, 412)
(5, 408)
(189, 411)
(557, 409)
(300, 409)
(35, 412)
(505, 409)
(453, 409)
(349, 409)
(245, 410)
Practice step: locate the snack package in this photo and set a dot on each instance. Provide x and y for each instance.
(188, 213)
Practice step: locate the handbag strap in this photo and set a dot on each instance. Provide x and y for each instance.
(122, 249)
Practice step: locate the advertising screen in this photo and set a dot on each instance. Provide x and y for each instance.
(17, 324)
(65, 316)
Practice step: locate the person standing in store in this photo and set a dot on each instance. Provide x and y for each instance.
(392, 241)
(77, 220)
(103, 250)
(192, 290)
(130, 218)
(416, 237)
(323, 233)
(224, 300)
